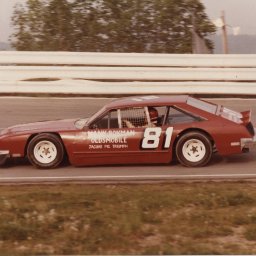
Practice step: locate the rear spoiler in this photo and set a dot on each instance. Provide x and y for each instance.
(246, 121)
(237, 117)
(246, 117)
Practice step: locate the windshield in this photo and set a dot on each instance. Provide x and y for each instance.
(98, 113)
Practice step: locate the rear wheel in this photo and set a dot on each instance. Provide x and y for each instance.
(194, 149)
(45, 151)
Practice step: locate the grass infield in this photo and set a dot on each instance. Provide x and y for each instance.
(176, 218)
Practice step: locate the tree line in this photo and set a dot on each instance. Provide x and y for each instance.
(157, 26)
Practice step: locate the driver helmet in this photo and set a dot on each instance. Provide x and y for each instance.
(153, 114)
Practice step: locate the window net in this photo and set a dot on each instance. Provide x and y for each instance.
(133, 117)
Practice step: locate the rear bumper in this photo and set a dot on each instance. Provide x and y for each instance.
(248, 143)
(4, 155)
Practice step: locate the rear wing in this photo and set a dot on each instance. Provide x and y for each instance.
(246, 117)
(237, 117)
(246, 121)
(232, 115)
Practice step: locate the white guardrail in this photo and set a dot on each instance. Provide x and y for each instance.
(126, 73)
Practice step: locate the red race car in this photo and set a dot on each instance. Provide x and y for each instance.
(147, 129)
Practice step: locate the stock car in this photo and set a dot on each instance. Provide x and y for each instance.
(132, 130)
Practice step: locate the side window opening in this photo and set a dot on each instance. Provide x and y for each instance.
(151, 116)
(133, 117)
(178, 116)
(108, 121)
(162, 112)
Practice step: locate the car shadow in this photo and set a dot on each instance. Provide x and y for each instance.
(15, 162)
(216, 160)
(237, 158)
(23, 162)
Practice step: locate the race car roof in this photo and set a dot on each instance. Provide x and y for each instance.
(149, 100)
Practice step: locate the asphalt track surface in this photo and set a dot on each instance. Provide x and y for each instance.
(23, 110)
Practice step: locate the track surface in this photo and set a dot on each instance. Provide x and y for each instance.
(23, 110)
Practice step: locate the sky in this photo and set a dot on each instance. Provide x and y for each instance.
(238, 13)
(6, 10)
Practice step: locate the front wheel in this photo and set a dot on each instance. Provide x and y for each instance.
(45, 151)
(194, 149)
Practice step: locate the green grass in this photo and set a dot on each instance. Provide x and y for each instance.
(176, 218)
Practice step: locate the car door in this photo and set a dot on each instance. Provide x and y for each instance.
(148, 143)
(99, 142)
(109, 140)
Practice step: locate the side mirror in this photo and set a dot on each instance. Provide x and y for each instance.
(93, 126)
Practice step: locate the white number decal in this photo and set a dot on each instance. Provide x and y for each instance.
(168, 137)
(152, 135)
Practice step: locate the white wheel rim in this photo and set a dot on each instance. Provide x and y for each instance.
(194, 150)
(45, 152)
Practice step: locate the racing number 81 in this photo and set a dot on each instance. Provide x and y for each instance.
(152, 135)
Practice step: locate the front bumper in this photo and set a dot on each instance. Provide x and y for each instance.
(4, 155)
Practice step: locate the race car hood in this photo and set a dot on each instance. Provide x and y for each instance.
(43, 126)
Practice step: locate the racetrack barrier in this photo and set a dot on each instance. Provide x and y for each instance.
(126, 73)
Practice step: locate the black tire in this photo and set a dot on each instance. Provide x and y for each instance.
(194, 149)
(45, 151)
